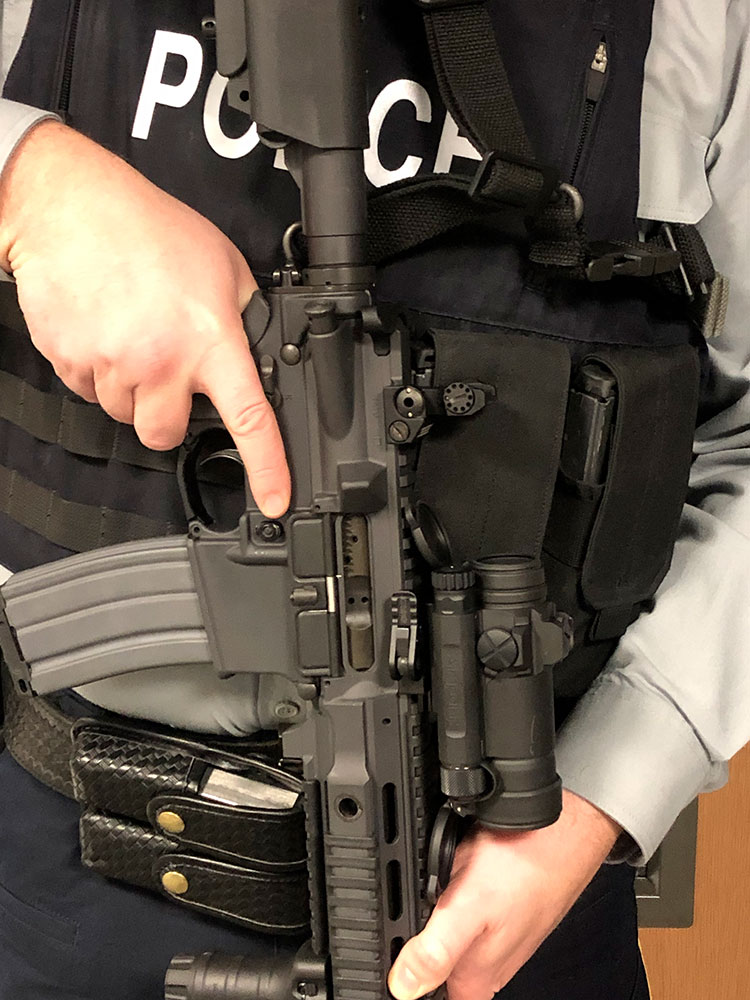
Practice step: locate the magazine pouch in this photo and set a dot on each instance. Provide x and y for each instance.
(609, 544)
(211, 830)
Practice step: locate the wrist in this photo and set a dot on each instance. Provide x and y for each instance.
(30, 177)
(582, 838)
(602, 831)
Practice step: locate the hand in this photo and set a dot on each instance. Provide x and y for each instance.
(507, 893)
(135, 299)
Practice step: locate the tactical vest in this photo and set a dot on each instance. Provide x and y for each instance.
(567, 360)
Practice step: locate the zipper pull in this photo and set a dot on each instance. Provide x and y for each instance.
(597, 75)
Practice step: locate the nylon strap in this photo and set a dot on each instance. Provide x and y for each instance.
(77, 426)
(475, 88)
(71, 525)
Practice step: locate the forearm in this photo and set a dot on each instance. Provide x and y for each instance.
(674, 703)
(29, 175)
(16, 120)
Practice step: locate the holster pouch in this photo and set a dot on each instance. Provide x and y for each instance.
(211, 830)
(593, 486)
(608, 545)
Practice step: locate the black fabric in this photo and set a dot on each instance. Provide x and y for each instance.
(80, 427)
(482, 475)
(696, 260)
(482, 279)
(630, 546)
(607, 547)
(473, 82)
(68, 524)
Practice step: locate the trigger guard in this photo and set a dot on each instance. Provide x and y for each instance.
(197, 451)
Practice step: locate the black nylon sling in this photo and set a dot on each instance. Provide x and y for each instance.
(475, 88)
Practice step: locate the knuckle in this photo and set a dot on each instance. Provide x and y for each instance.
(159, 438)
(153, 367)
(431, 955)
(250, 418)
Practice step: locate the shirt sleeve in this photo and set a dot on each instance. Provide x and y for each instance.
(15, 121)
(673, 704)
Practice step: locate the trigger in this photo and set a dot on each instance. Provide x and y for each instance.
(231, 454)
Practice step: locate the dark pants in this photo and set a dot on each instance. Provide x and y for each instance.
(68, 934)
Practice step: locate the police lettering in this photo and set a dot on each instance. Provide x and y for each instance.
(154, 92)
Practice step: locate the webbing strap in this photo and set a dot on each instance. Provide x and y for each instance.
(76, 426)
(475, 88)
(76, 526)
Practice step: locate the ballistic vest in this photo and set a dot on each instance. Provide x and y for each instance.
(141, 79)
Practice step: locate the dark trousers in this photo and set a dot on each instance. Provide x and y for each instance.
(68, 934)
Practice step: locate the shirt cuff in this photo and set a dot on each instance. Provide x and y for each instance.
(673, 184)
(632, 754)
(15, 121)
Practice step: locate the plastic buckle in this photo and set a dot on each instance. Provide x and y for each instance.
(481, 175)
(708, 301)
(614, 260)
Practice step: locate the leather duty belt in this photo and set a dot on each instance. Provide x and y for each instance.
(213, 830)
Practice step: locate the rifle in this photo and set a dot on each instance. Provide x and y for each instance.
(339, 595)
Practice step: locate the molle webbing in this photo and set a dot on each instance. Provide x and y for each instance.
(75, 425)
(71, 525)
(78, 427)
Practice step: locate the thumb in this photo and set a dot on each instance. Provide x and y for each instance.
(427, 960)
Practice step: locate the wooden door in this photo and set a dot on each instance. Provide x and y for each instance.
(711, 959)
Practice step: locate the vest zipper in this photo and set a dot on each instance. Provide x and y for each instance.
(596, 81)
(66, 73)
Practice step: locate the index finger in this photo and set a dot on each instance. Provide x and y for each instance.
(230, 379)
